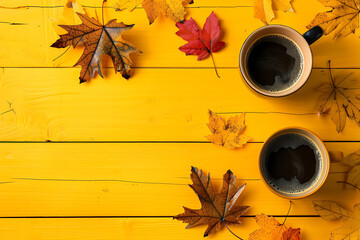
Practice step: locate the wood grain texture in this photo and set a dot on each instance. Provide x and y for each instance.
(110, 179)
(31, 31)
(141, 173)
(155, 105)
(142, 229)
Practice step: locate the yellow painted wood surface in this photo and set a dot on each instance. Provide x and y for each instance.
(119, 152)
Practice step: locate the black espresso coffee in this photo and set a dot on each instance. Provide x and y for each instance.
(274, 63)
(292, 163)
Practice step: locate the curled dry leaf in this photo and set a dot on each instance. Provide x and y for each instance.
(98, 40)
(227, 133)
(343, 19)
(217, 209)
(340, 99)
(71, 8)
(173, 9)
(271, 229)
(264, 9)
(353, 161)
(331, 211)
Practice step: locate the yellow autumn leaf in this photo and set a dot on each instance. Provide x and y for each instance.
(331, 211)
(173, 9)
(227, 133)
(264, 9)
(353, 161)
(343, 19)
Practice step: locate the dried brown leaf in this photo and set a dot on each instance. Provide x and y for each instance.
(98, 40)
(217, 209)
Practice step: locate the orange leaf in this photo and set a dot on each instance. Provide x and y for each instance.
(271, 229)
(173, 9)
(217, 209)
(98, 40)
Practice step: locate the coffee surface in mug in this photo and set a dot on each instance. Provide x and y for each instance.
(274, 63)
(292, 163)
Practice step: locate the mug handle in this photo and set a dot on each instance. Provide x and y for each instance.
(313, 34)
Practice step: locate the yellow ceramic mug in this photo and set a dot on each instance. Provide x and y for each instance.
(284, 168)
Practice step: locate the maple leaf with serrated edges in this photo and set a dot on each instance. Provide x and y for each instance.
(98, 39)
(271, 229)
(264, 9)
(217, 209)
(227, 133)
(353, 161)
(331, 211)
(340, 99)
(173, 9)
(343, 18)
(201, 42)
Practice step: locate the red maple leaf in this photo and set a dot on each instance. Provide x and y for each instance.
(201, 42)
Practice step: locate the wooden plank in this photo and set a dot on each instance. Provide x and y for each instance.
(109, 179)
(30, 31)
(144, 229)
(155, 105)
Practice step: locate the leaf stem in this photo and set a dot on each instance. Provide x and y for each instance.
(232, 231)
(62, 54)
(349, 184)
(287, 213)
(102, 9)
(212, 57)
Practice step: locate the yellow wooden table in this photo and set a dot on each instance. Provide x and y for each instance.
(111, 159)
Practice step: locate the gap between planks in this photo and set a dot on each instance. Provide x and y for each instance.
(245, 216)
(171, 67)
(159, 142)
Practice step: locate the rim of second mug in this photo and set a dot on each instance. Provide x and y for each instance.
(327, 170)
(243, 75)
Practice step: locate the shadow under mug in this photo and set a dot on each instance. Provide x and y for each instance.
(323, 165)
(303, 43)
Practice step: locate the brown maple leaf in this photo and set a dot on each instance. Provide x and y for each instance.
(271, 229)
(217, 209)
(264, 9)
(353, 161)
(343, 19)
(98, 39)
(331, 211)
(340, 100)
(173, 9)
(227, 133)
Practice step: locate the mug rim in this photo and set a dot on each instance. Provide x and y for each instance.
(256, 89)
(326, 155)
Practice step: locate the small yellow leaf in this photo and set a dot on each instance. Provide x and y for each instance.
(227, 133)
(264, 9)
(173, 9)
